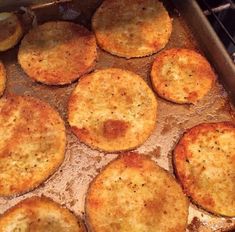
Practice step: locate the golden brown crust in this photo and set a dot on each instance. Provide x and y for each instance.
(132, 193)
(10, 30)
(2, 78)
(112, 110)
(132, 28)
(39, 214)
(32, 143)
(204, 160)
(57, 53)
(182, 75)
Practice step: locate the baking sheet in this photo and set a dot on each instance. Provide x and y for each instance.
(69, 184)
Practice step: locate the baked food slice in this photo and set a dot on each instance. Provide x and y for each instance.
(32, 143)
(204, 161)
(112, 110)
(57, 53)
(182, 75)
(39, 214)
(10, 30)
(2, 78)
(132, 28)
(132, 193)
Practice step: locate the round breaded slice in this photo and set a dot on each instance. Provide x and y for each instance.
(182, 75)
(132, 193)
(112, 110)
(2, 78)
(204, 160)
(10, 30)
(57, 53)
(132, 28)
(39, 214)
(32, 143)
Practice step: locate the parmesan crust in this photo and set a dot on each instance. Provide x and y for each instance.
(2, 78)
(57, 53)
(112, 110)
(10, 30)
(132, 28)
(204, 160)
(133, 193)
(182, 75)
(32, 143)
(39, 214)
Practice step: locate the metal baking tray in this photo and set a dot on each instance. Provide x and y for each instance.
(69, 184)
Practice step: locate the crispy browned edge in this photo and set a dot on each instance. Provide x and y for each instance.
(180, 181)
(120, 156)
(10, 95)
(20, 32)
(3, 76)
(44, 199)
(78, 135)
(90, 69)
(175, 50)
(129, 57)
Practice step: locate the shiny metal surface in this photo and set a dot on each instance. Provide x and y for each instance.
(69, 184)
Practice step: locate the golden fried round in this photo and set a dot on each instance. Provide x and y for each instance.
(39, 214)
(182, 75)
(112, 110)
(2, 78)
(57, 53)
(32, 143)
(204, 160)
(10, 30)
(132, 28)
(133, 193)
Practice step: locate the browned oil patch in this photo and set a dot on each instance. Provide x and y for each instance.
(169, 124)
(155, 153)
(195, 225)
